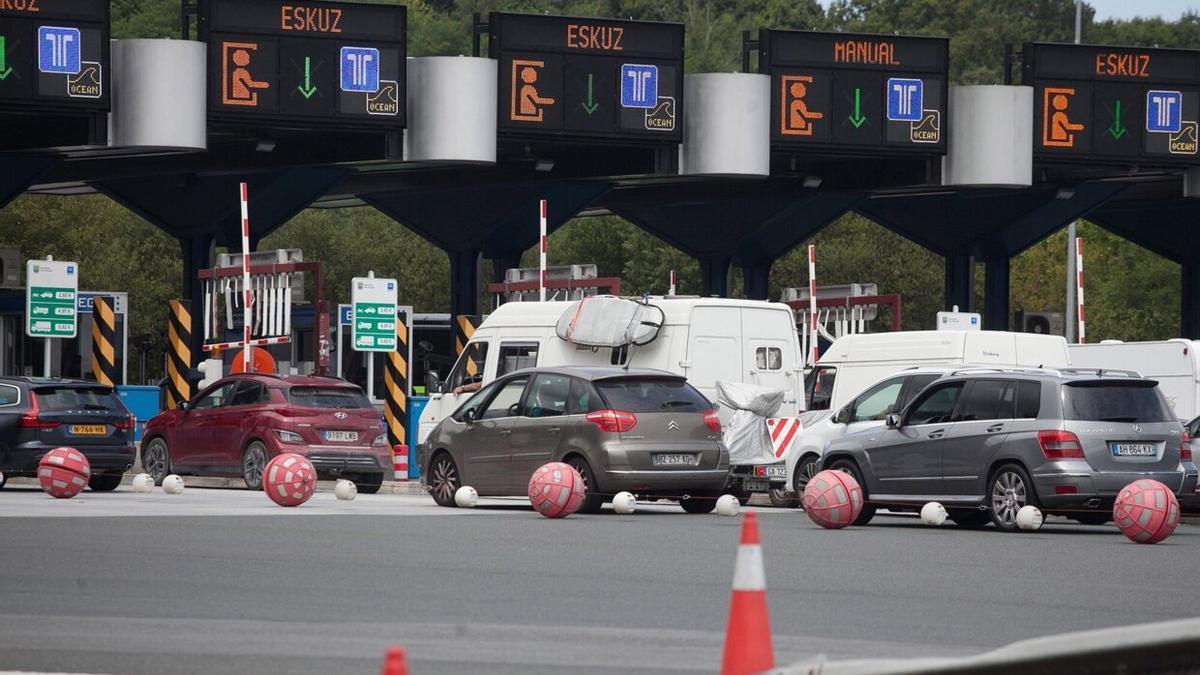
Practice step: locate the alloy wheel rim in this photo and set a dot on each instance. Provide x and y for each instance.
(154, 460)
(255, 462)
(1008, 496)
(444, 478)
(806, 474)
(582, 475)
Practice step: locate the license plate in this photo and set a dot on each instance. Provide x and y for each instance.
(341, 436)
(756, 484)
(662, 459)
(777, 472)
(1133, 449)
(89, 429)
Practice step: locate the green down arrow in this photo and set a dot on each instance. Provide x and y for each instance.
(858, 119)
(307, 89)
(590, 106)
(1117, 130)
(5, 70)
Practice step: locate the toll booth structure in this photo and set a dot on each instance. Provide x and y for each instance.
(70, 358)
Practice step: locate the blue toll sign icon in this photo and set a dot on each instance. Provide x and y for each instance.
(360, 69)
(1163, 111)
(905, 99)
(58, 50)
(639, 86)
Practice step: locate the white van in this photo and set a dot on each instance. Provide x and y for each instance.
(703, 339)
(1172, 362)
(860, 376)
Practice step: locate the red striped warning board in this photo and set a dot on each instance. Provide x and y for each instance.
(783, 431)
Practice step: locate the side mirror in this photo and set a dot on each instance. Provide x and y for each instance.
(185, 406)
(893, 421)
(433, 383)
(843, 416)
(469, 416)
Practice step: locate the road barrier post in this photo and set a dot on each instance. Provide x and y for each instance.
(179, 354)
(104, 336)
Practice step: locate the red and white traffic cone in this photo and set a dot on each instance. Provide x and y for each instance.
(748, 632)
(394, 662)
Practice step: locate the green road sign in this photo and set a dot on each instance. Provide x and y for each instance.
(50, 290)
(373, 314)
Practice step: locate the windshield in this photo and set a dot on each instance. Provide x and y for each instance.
(643, 395)
(1135, 401)
(59, 399)
(328, 397)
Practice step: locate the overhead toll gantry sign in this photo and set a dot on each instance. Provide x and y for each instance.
(859, 94)
(565, 76)
(54, 53)
(1113, 104)
(308, 61)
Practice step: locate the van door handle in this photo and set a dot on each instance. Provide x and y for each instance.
(937, 434)
(554, 430)
(995, 427)
(506, 432)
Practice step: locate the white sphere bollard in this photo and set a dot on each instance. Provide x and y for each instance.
(727, 505)
(933, 513)
(345, 490)
(172, 485)
(1030, 518)
(466, 497)
(624, 502)
(143, 483)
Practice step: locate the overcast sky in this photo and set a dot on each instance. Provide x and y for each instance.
(1125, 9)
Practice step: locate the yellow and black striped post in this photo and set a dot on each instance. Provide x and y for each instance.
(104, 339)
(179, 353)
(395, 391)
(464, 329)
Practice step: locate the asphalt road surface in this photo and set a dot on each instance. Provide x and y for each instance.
(223, 581)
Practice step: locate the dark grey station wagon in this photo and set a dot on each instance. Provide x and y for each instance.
(645, 431)
(985, 442)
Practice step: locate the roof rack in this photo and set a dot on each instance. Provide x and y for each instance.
(1102, 372)
(1017, 370)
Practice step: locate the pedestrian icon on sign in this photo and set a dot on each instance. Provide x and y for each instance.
(360, 69)
(527, 104)
(639, 86)
(1163, 111)
(905, 99)
(797, 116)
(58, 50)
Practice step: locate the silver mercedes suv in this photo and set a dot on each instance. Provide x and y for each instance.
(985, 442)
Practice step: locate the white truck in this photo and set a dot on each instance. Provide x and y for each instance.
(1173, 363)
(863, 377)
(703, 339)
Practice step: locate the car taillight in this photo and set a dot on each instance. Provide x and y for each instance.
(30, 419)
(127, 423)
(1185, 449)
(712, 420)
(613, 420)
(1060, 445)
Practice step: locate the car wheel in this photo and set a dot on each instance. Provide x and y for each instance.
(970, 518)
(594, 500)
(444, 480)
(254, 461)
(868, 511)
(806, 468)
(3, 480)
(699, 503)
(783, 498)
(156, 460)
(105, 482)
(1092, 518)
(369, 484)
(1009, 489)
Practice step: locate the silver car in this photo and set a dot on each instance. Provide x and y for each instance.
(645, 431)
(986, 442)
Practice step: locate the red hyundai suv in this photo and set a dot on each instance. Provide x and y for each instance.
(237, 424)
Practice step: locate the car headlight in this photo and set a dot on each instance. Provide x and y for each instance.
(381, 439)
(289, 436)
